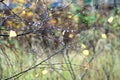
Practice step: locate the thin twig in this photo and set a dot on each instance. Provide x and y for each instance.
(33, 67)
(69, 66)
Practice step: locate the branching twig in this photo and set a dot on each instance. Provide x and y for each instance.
(33, 67)
(67, 60)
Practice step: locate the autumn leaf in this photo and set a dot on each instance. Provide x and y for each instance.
(87, 66)
(44, 72)
(12, 34)
(59, 21)
(52, 21)
(23, 13)
(36, 75)
(71, 35)
(110, 20)
(70, 16)
(63, 33)
(29, 14)
(86, 52)
(83, 46)
(21, 1)
(104, 36)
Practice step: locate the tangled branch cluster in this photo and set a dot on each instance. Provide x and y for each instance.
(51, 24)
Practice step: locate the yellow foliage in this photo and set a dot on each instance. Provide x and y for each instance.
(104, 36)
(10, 23)
(52, 21)
(29, 14)
(86, 52)
(1, 15)
(76, 18)
(70, 16)
(63, 32)
(36, 75)
(12, 34)
(110, 20)
(71, 35)
(16, 9)
(23, 13)
(21, 1)
(33, 5)
(50, 14)
(83, 46)
(44, 72)
(59, 21)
